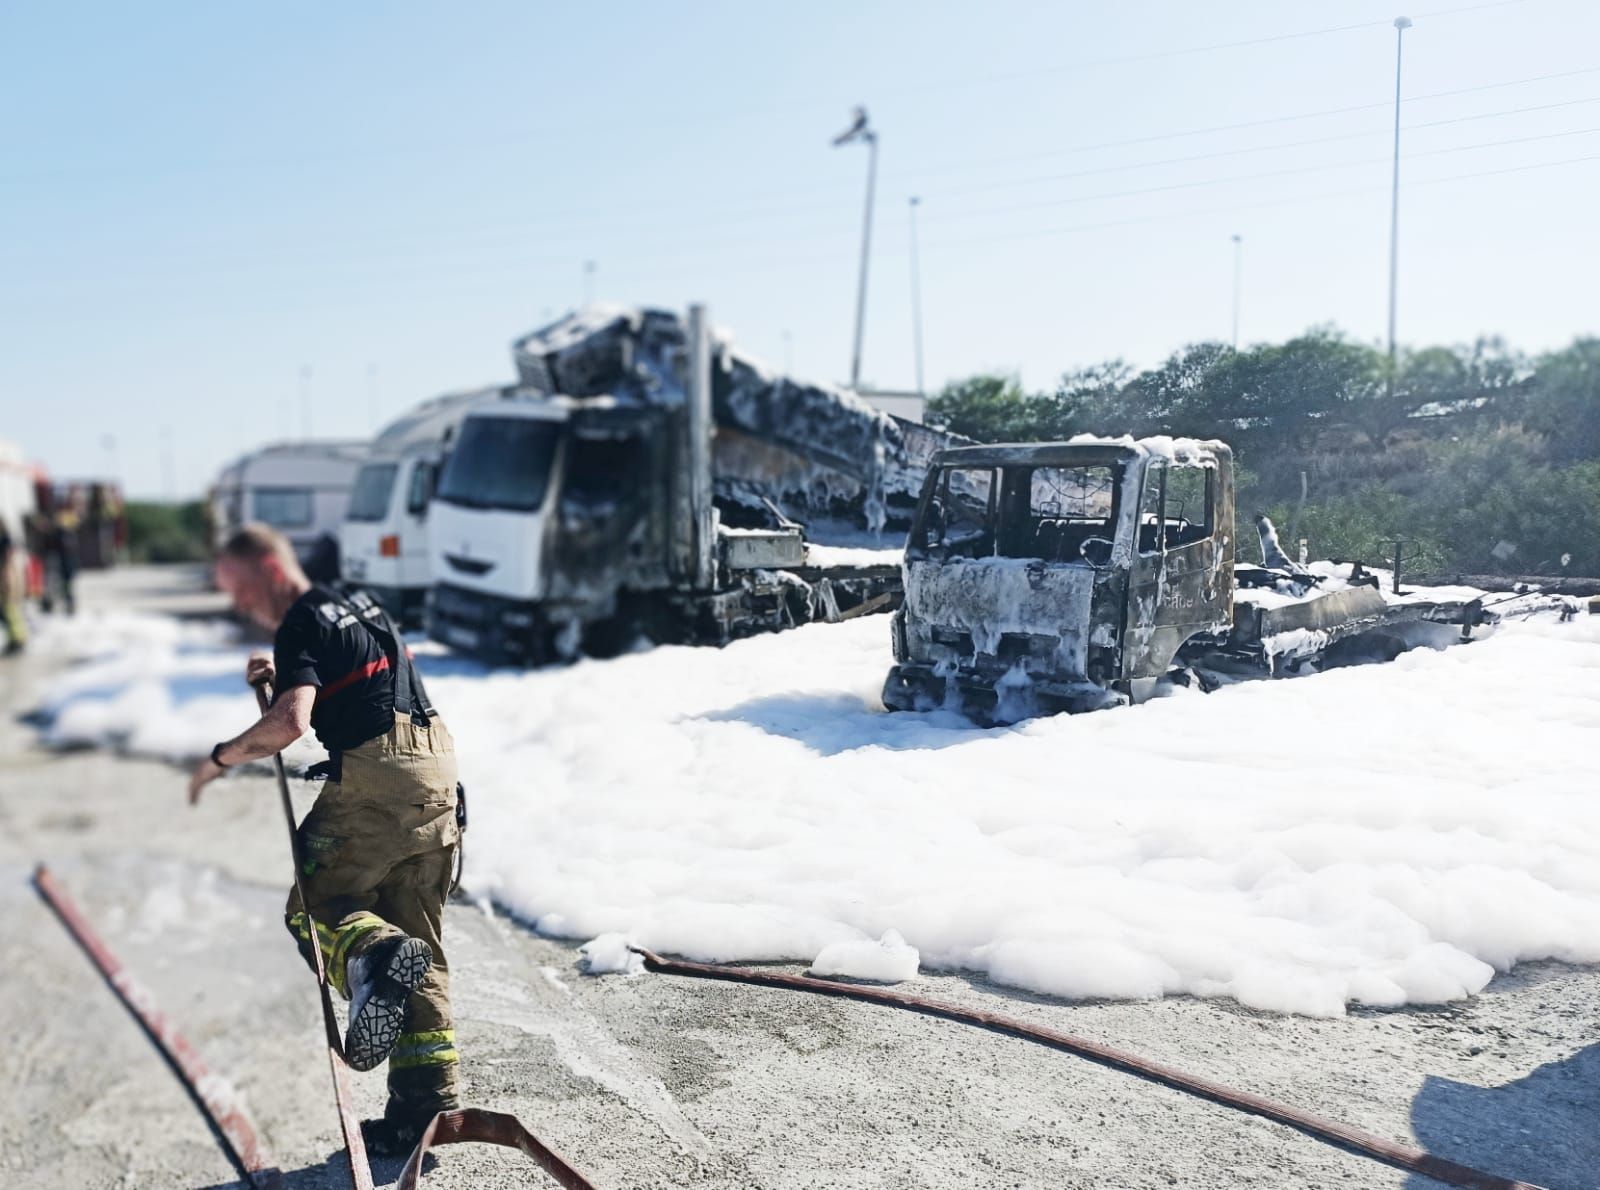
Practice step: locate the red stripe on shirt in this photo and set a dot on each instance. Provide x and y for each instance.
(350, 679)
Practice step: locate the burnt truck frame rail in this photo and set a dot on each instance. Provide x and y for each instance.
(1074, 576)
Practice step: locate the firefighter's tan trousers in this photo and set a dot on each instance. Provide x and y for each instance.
(378, 850)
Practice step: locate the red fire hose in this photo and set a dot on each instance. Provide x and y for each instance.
(1318, 1127)
(355, 1148)
(231, 1126)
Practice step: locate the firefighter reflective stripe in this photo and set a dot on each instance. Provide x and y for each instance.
(350, 932)
(338, 944)
(325, 937)
(437, 1048)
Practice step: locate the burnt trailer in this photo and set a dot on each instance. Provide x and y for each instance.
(1078, 575)
(645, 480)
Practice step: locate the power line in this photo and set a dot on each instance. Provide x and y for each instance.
(698, 250)
(1158, 55)
(413, 145)
(722, 219)
(1294, 144)
(1255, 177)
(1386, 104)
(294, 296)
(1231, 208)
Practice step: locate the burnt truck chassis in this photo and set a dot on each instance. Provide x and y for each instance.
(744, 602)
(1150, 610)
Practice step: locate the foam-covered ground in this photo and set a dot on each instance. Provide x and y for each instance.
(1383, 835)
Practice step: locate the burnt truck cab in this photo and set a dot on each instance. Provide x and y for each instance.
(1061, 576)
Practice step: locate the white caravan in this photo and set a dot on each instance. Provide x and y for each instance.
(383, 543)
(299, 488)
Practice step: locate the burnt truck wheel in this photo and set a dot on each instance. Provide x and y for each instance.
(904, 691)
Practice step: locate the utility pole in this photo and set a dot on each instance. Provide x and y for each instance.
(1238, 272)
(1401, 24)
(305, 402)
(169, 487)
(916, 296)
(859, 131)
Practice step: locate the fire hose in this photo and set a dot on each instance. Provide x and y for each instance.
(450, 1127)
(1343, 1136)
(214, 1098)
(349, 1125)
(231, 1126)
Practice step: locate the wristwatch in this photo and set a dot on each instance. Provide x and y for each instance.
(217, 759)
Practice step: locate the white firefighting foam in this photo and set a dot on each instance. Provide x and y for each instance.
(1385, 834)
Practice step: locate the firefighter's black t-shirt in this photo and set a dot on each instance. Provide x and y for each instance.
(323, 643)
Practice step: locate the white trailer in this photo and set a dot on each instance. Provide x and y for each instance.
(299, 488)
(383, 542)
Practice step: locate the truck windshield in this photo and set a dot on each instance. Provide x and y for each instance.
(370, 499)
(500, 462)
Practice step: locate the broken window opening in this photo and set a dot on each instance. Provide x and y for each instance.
(959, 519)
(1050, 512)
(1188, 512)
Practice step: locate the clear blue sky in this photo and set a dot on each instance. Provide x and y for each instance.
(199, 200)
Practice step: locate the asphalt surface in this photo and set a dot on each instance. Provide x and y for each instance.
(660, 1081)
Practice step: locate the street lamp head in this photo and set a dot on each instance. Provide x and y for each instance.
(916, 201)
(1238, 239)
(858, 129)
(1402, 23)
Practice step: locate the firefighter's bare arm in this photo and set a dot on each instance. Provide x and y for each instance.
(284, 723)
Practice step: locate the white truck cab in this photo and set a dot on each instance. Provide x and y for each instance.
(489, 522)
(383, 542)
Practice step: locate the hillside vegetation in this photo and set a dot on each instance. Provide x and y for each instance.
(1484, 460)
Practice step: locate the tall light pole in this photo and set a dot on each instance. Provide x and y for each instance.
(169, 486)
(1401, 24)
(788, 353)
(859, 131)
(1238, 270)
(588, 282)
(916, 296)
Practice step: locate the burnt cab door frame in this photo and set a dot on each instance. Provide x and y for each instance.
(1182, 580)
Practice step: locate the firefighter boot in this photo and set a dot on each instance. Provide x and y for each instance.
(381, 980)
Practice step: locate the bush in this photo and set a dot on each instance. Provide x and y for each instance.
(167, 532)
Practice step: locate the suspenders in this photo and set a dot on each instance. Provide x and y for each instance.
(409, 696)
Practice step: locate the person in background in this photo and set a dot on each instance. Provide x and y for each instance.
(377, 851)
(58, 542)
(13, 588)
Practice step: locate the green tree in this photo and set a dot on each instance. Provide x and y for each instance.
(1564, 404)
(994, 408)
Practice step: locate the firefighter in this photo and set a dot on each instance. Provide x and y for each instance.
(378, 848)
(13, 589)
